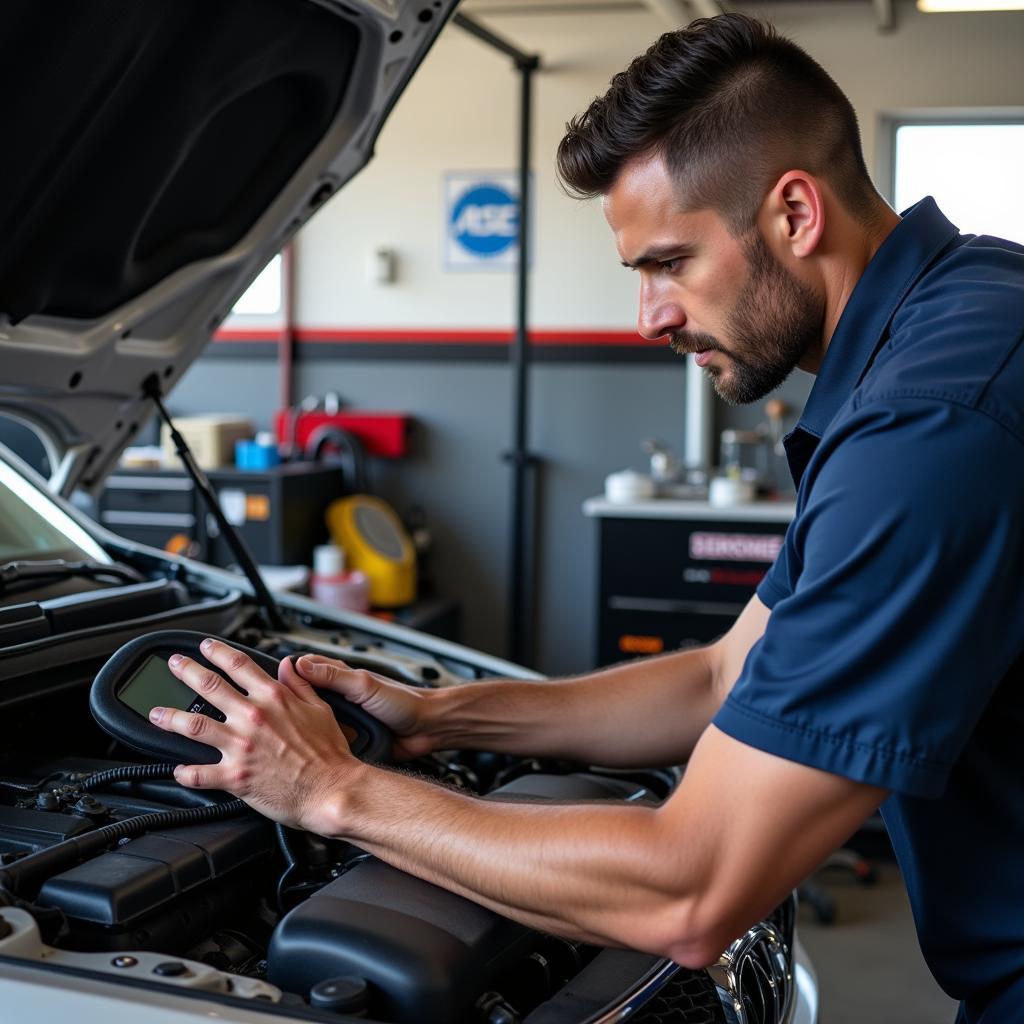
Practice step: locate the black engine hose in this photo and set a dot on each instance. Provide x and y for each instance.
(25, 875)
(30, 787)
(152, 773)
(286, 840)
(51, 921)
(302, 851)
(126, 773)
(123, 773)
(292, 859)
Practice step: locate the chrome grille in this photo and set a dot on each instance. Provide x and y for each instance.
(689, 998)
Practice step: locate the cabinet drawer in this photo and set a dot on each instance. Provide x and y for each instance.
(625, 633)
(168, 495)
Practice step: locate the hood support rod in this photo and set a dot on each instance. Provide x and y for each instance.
(523, 529)
(151, 388)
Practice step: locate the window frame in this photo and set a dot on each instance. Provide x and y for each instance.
(891, 121)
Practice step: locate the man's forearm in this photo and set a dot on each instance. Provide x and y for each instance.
(647, 712)
(681, 880)
(608, 874)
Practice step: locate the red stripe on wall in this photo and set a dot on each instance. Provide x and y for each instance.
(252, 335)
(435, 337)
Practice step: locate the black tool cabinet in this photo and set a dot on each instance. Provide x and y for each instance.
(676, 573)
(280, 512)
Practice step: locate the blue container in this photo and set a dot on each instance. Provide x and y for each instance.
(255, 456)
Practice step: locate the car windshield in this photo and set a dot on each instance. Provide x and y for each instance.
(34, 527)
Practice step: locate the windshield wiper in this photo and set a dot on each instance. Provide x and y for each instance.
(44, 570)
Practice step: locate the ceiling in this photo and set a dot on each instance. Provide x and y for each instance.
(671, 13)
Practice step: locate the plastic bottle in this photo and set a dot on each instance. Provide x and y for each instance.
(335, 587)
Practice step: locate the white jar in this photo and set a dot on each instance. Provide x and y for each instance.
(725, 491)
(335, 587)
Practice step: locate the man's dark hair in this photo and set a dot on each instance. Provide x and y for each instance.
(730, 105)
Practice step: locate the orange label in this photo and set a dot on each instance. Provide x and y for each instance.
(257, 506)
(181, 544)
(641, 644)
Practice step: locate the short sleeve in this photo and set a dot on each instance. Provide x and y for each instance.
(906, 606)
(775, 584)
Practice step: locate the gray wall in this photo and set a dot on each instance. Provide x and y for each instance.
(587, 420)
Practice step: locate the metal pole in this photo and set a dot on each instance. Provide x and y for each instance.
(521, 554)
(286, 337)
(521, 567)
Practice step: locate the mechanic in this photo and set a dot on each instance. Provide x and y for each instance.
(881, 659)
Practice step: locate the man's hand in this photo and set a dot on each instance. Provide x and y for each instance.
(405, 710)
(282, 750)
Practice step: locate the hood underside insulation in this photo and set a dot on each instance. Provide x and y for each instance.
(141, 137)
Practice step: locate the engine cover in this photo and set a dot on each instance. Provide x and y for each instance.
(426, 953)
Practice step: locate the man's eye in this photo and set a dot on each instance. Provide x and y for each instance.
(670, 266)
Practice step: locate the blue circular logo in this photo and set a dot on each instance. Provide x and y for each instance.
(485, 220)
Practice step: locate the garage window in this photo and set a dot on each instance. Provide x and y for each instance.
(973, 168)
(263, 298)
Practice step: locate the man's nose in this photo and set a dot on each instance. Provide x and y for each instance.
(658, 314)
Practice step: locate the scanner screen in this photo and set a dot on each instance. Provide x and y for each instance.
(154, 686)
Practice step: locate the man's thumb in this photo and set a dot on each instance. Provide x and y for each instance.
(288, 674)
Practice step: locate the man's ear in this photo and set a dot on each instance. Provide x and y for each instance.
(793, 214)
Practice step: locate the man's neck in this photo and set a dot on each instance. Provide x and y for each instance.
(854, 247)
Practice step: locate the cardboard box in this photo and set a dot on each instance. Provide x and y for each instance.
(212, 439)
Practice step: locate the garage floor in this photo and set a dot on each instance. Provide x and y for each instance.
(868, 962)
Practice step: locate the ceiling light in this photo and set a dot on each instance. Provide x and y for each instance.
(948, 6)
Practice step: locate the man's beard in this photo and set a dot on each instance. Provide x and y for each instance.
(776, 319)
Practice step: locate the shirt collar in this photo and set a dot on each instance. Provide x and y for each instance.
(900, 260)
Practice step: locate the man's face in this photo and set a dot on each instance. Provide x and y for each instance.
(746, 318)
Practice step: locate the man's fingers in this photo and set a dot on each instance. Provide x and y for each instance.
(193, 727)
(352, 684)
(238, 666)
(207, 684)
(316, 666)
(398, 706)
(201, 776)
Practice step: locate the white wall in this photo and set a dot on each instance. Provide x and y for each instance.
(460, 114)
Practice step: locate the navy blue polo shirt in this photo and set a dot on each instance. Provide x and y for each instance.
(894, 652)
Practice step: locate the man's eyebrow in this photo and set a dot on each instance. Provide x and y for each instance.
(659, 253)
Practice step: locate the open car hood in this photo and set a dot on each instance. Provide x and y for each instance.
(160, 154)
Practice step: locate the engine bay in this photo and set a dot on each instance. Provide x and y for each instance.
(238, 906)
(260, 903)
(108, 866)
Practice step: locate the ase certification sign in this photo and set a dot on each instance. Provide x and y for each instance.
(481, 213)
